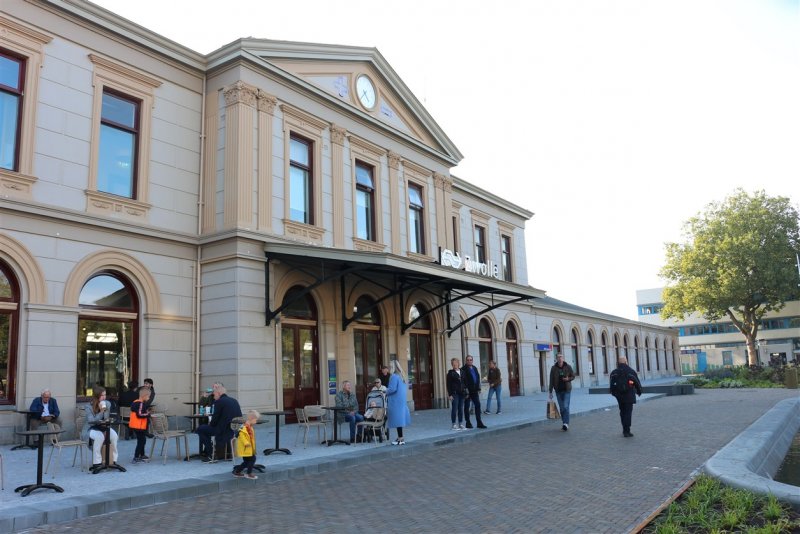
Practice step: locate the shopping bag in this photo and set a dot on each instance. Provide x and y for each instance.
(552, 410)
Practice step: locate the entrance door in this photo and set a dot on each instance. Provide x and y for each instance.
(300, 367)
(543, 377)
(513, 360)
(420, 371)
(299, 352)
(368, 360)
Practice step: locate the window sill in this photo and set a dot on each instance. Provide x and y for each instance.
(419, 257)
(303, 232)
(15, 185)
(368, 246)
(113, 206)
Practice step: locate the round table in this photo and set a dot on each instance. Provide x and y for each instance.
(335, 439)
(106, 429)
(27, 444)
(277, 447)
(41, 432)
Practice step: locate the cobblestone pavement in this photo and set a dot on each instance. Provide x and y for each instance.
(536, 479)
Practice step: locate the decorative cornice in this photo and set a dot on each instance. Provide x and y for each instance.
(266, 102)
(368, 246)
(479, 216)
(240, 93)
(103, 203)
(365, 148)
(303, 119)
(303, 232)
(394, 160)
(338, 134)
(15, 184)
(443, 182)
(417, 170)
(35, 38)
(124, 71)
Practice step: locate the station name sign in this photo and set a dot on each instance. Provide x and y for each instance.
(448, 258)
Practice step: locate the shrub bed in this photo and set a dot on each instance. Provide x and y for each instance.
(740, 377)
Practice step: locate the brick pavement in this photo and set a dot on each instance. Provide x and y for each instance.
(536, 479)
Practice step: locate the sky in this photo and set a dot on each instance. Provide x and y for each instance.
(612, 121)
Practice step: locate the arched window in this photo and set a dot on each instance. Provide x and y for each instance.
(485, 346)
(590, 351)
(556, 342)
(658, 352)
(574, 348)
(604, 349)
(616, 346)
(108, 328)
(647, 352)
(625, 345)
(9, 326)
(512, 358)
(637, 345)
(420, 364)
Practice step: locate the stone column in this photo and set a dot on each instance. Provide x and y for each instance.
(240, 103)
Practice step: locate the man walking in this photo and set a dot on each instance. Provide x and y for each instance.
(561, 377)
(495, 387)
(472, 383)
(625, 386)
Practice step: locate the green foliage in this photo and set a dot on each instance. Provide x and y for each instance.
(739, 377)
(737, 261)
(710, 507)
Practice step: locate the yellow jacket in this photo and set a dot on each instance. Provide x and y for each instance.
(244, 446)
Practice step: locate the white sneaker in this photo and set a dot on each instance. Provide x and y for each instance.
(455, 427)
(461, 427)
(396, 442)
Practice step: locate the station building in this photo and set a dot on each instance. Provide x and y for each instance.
(710, 345)
(278, 216)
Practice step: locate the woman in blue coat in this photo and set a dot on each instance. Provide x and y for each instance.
(396, 405)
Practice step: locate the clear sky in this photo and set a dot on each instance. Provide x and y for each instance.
(613, 121)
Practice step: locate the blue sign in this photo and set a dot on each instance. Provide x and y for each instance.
(543, 346)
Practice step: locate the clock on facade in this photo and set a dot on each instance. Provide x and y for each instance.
(365, 91)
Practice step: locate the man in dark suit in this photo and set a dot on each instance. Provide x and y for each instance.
(625, 386)
(472, 383)
(225, 408)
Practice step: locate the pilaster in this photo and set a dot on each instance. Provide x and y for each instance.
(394, 198)
(240, 103)
(338, 135)
(266, 108)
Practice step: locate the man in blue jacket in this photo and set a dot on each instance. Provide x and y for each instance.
(472, 385)
(45, 410)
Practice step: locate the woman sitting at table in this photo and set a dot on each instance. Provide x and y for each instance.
(96, 413)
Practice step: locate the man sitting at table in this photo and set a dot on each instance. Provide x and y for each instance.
(347, 400)
(225, 409)
(45, 410)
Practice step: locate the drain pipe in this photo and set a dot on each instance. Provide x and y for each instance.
(197, 266)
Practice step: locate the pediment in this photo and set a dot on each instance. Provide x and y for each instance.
(334, 71)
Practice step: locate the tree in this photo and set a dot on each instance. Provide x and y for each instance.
(738, 262)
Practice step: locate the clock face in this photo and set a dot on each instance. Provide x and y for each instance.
(365, 91)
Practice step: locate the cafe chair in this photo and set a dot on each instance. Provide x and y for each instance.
(308, 417)
(160, 429)
(56, 443)
(236, 426)
(122, 422)
(379, 416)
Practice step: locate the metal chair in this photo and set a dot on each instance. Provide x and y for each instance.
(311, 416)
(236, 425)
(77, 443)
(160, 428)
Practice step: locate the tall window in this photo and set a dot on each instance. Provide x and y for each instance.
(365, 202)
(576, 355)
(416, 223)
(9, 321)
(119, 145)
(505, 244)
(107, 331)
(456, 245)
(604, 349)
(480, 244)
(485, 346)
(300, 180)
(12, 79)
(556, 342)
(590, 351)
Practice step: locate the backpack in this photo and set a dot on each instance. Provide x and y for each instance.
(620, 382)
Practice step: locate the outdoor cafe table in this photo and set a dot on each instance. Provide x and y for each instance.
(27, 444)
(195, 419)
(41, 432)
(335, 439)
(277, 447)
(105, 427)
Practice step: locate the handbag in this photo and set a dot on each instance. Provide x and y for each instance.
(552, 410)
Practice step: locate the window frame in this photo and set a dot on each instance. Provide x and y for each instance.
(19, 93)
(506, 261)
(370, 193)
(479, 247)
(420, 211)
(308, 169)
(135, 131)
(123, 82)
(11, 307)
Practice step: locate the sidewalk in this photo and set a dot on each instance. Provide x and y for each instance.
(86, 495)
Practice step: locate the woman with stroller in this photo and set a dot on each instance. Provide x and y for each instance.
(397, 407)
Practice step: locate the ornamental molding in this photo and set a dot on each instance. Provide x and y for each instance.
(418, 171)
(443, 182)
(479, 217)
(123, 71)
(266, 102)
(15, 185)
(394, 160)
(240, 93)
(506, 228)
(365, 148)
(368, 246)
(22, 35)
(302, 119)
(303, 232)
(338, 134)
(112, 205)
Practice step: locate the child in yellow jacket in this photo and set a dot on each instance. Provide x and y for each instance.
(246, 447)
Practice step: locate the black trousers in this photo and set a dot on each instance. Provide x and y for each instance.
(247, 463)
(475, 398)
(625, 414)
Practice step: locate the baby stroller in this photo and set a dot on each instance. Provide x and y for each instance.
(374, 424)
